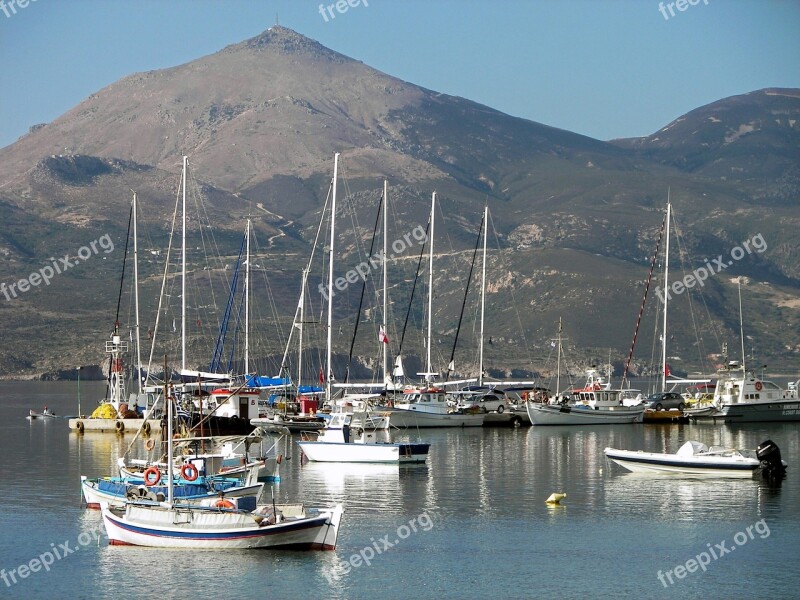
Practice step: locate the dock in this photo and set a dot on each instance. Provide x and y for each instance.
(114, 425)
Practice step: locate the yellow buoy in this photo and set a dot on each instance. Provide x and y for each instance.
(556, 498)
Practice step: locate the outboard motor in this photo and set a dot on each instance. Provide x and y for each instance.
(771, 464)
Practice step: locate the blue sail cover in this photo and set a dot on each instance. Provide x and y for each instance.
(267, 382)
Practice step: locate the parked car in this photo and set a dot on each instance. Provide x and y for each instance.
(486, 402)
(665, 401)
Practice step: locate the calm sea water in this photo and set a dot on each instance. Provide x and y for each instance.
(483, 529)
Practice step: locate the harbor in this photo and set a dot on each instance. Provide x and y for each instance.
(477, 504)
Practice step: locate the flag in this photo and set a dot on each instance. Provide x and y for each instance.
(666, 370)
(321, 375)
(382, 337)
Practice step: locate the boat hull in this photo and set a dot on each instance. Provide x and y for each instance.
(652, 462)
(756, 412)
(214, 529)
(409, 418)
(401, 453)
(551, 414)
(114, 495)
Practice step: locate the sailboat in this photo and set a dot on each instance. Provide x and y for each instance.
(428, 406)
(226, 524)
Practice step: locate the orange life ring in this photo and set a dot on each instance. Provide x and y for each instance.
(758, 386)
(189, 472)
(224, 504)
(150, 444)
(148, 480)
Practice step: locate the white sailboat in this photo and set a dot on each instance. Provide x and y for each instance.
(428, 406)
(225, 524)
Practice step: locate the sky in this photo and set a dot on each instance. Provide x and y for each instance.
(603, 68)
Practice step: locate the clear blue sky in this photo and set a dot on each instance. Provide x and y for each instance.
(603, 68)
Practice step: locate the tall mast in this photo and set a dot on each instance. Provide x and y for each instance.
(430, 292)
(136, 295)
(384, 347)
(558, 360)
(168, 399)
(666, 296)
(247, 305)
(741, 326)
(483, 291)
(183, 271)
(301, 311)
(330, 277)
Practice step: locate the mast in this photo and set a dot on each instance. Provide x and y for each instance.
(330, 277)
(428, 372)
(558, 360)
(183, 270)
(384, 348)
(136, 296)
(666, 296)
(168, 399)
(741, 327)
(247, 305)
(301, 311)
(483, 291)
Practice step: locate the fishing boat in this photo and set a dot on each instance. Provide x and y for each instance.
(742, 397)
(596, 403)
(189, 487)
(695, 458)
(221, 523)
(45, 414)
(342, 443)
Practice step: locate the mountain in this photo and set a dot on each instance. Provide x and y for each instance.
(574, 220)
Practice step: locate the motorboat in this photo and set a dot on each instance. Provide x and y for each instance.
(696, 458)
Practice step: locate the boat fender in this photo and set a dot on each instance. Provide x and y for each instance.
(189, 472)
(79, 426)
(279, 460)
(150, 444)
(120, 426)
(152, 476)
(146, 428)
(224, 504)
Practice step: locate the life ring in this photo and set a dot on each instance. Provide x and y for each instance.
(146, 428)
(152, 476)
(150, 444)
(224, 504)
(120, 426)
(189, 472)
(758, 386)
(279, 460)
(79, 426)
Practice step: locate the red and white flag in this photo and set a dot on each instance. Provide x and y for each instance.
(382, 337)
